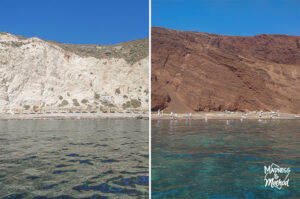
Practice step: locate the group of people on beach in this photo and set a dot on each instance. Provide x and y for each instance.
(175, 115)
(258, 114)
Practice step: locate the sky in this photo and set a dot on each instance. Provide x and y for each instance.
(76, 21)
(229, 17)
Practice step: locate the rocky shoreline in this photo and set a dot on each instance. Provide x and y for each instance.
(255, 115)
(74, 116)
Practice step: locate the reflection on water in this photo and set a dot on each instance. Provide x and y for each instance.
(220, 159)
(74, 159)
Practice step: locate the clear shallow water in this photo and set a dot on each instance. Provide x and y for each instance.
(214, 160)
(74, 159)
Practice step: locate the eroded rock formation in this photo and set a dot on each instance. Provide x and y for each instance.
(194, 71)
(40, 75)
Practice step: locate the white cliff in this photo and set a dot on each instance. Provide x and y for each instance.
(39, 75)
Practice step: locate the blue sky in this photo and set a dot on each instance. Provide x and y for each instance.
(229, 17)
(76, 21)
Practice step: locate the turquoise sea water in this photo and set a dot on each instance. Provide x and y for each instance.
(194, 159)
(74, 159)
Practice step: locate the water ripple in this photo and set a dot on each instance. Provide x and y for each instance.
(73, 159)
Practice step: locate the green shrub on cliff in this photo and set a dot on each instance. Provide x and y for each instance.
(35, 108)
(117, 91)
(84, 101)
(26, 107)
(96, 96)
(134, 103)
(75, 102)
(63, 103)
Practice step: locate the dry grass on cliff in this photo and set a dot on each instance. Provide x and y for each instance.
(131, 51)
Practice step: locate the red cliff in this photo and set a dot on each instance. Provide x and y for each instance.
(194, 71)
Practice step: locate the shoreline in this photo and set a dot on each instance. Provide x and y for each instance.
(75, 116)
(154, 116)
(227, 116)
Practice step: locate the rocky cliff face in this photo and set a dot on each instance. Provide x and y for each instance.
(39, 75)
(194, 71)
